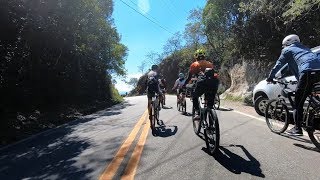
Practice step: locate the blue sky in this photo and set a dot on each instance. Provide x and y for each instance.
(141, 35)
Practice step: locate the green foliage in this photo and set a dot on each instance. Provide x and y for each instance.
(133, 82)
(116, 97)
(298, 8)
(55, 52)
(253, 30)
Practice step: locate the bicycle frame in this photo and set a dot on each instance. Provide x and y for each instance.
(203, 110)
(311, 112)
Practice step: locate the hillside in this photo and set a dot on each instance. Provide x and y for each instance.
(242, 38)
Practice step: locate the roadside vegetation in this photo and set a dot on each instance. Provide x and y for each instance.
(57, 58)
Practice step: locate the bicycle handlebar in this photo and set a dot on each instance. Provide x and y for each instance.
(283, 82)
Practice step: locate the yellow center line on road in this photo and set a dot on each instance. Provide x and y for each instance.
(133, 163)
(112, 168)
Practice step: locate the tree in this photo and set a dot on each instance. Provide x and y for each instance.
(142, 67)
(57, 52)
(194, 31)
(133, 82)
(173, 44)
(153, 58)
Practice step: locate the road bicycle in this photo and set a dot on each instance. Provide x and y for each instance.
(155, 108)
(217, 101)
(209, 123)
(163, 98)
(278, 117)
(181, 100)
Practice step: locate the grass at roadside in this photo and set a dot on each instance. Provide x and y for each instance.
(234, 98)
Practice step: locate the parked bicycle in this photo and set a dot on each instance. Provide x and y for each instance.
(278, 117)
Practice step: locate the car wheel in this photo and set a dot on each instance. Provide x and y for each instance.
(260, 105)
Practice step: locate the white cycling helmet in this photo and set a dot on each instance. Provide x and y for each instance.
(290, 39)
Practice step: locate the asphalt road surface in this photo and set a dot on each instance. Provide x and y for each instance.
(117, 143)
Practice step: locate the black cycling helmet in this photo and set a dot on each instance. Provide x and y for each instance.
(154, 67)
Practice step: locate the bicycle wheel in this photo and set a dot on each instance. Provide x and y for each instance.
(212, 132)
(184, 106)
(178, 105)
(314, 129)
(154, 117)
(314, 136)
(217, 101)
(195, 123)
(277, 115)
(162, 101)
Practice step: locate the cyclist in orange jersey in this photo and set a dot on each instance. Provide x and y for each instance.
(206, 80)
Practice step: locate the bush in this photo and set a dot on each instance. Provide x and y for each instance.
(248, 99)
(233, 98)
(116, 97)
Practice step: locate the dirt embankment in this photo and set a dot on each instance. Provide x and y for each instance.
(240, 79)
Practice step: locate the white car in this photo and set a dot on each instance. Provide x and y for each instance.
(263, 91)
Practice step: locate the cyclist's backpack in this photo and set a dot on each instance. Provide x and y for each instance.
(152, 84)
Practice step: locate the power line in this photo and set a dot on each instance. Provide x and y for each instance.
(143, 10)
(147, 17)
(168, 7)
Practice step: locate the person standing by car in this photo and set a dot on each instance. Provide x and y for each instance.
(302, 63)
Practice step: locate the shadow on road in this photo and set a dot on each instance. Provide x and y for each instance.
(166, 107)
(225, 109)
(237, 164)
(166, 131)
(296, 138)
(307, 147)
(187, 114)
(55, 154)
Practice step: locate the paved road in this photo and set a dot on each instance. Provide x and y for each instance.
(117, 143)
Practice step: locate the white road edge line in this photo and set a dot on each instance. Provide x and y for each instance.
(248, 115)
(262, 120)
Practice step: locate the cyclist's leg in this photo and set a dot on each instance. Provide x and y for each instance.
(302, 91)
(164, 97)
(211, 90)
(149, 95)
(198, 91)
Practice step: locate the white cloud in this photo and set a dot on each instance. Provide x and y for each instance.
(136, 75)
(144, 6)
(122, 86)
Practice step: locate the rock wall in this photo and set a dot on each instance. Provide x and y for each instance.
(243, 77)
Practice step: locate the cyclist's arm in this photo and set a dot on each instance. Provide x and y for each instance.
(146, 83)
(279, 64)
(188, 78)
(175, 85)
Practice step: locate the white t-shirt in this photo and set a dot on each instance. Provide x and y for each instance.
(178, 84)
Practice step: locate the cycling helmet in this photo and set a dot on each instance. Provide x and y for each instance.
(154, 67)
(199, 53)
(181, 75)
(290, 39)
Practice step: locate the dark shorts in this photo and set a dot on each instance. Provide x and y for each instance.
(150, 94)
